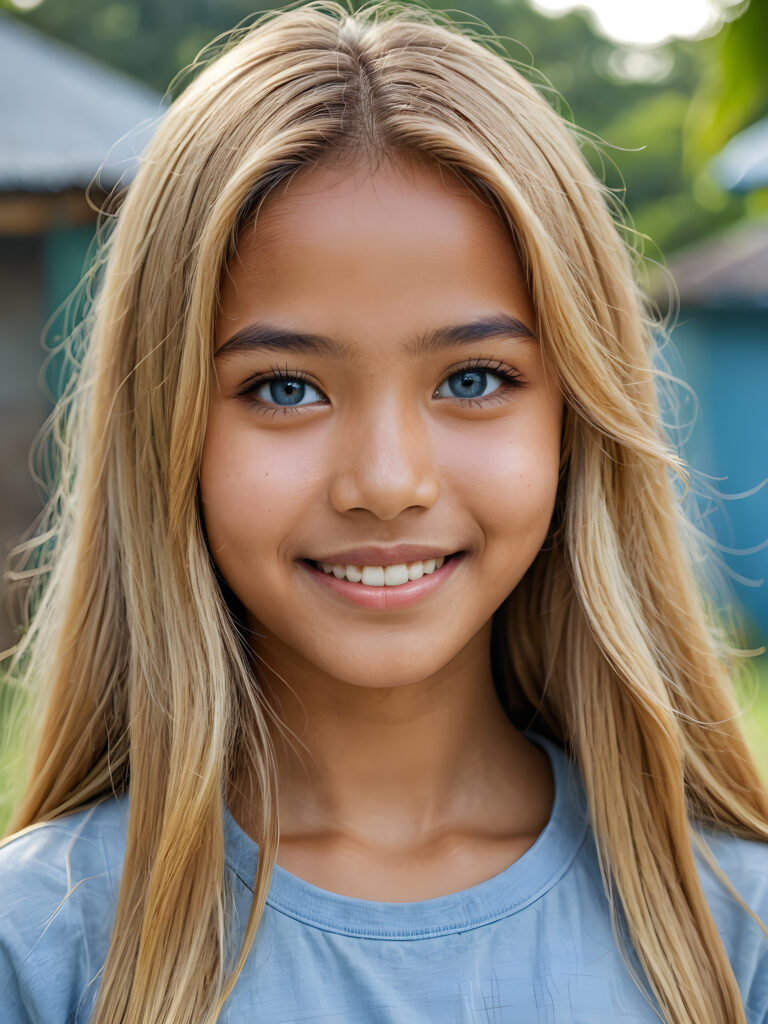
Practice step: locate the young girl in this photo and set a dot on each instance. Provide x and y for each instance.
(374, 681)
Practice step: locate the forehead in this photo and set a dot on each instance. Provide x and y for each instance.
(357, 251)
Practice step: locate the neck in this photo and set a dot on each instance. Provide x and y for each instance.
(397, 764)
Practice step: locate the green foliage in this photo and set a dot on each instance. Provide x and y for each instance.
(14, 746)
(734, 87)
(753, 698)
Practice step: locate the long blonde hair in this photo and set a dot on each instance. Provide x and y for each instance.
(142, 673)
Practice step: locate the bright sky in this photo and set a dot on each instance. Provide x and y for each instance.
(646, 23)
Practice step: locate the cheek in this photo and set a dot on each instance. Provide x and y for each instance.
(250, 493)
(509, 478)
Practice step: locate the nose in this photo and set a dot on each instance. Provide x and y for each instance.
(384, 462)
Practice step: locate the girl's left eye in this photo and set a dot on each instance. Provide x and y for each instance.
(473, 384)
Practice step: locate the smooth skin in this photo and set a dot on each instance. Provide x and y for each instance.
(406, 780)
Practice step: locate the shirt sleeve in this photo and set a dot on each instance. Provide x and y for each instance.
(56, 913)
(12, 1004)
(745, 862)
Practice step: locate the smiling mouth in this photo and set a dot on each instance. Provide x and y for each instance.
(383, 575)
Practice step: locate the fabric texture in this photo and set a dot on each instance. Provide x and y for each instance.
(532, 945)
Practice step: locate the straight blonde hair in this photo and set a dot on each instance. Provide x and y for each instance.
(135, 653)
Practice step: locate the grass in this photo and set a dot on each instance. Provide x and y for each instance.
(12, 723)
(753, 698)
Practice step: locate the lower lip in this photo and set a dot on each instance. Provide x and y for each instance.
(386, 599)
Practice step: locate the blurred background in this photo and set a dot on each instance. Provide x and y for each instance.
(673, 98)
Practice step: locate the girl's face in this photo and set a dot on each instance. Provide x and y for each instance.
(379, 385)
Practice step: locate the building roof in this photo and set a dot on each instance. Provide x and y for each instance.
(730, 269)
(742, 164)
(65, 117)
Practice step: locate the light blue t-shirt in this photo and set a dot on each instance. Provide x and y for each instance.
(532, 945)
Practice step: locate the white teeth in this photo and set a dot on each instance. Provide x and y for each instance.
(373, 576)
(394, 575)
(383, 575)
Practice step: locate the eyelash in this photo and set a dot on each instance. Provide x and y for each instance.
(510, 378)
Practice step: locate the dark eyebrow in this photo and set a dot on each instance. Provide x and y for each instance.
(267, 337)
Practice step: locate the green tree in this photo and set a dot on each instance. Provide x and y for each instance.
(734, 85)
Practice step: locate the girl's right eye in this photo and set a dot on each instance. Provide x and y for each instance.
(281, 390)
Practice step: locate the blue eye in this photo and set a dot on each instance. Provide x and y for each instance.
(469, 383)
(284, 391)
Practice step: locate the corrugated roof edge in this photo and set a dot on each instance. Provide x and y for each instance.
(72, 119)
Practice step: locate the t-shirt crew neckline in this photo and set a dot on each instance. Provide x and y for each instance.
(519, 885)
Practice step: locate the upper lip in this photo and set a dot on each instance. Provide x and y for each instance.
(396, 555)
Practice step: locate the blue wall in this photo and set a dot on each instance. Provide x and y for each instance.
(723, 355)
